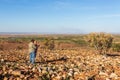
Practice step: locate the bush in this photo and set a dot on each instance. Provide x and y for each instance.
(102, 42)
(116, 47)
(19, 47)
(49, 44)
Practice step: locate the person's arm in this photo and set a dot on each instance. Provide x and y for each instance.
(38, 46)
(33, 46)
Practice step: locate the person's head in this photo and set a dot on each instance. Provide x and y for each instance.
(35, 42)
(32, 40)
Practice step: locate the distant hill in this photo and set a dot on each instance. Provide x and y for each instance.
(17, 33)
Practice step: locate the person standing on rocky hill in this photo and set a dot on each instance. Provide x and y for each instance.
(32, 50)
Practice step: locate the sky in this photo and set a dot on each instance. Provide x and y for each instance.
(60, 16)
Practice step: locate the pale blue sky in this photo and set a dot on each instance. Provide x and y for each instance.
(60, 16)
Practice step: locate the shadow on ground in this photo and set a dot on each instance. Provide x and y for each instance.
(43, 61)
(52, 61)
(113, 55)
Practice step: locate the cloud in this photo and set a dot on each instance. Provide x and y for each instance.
(104, 16)
(87, 8)
(61, 5)
(66, 4)
(111, 15)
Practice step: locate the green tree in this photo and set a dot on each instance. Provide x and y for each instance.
(102, 42)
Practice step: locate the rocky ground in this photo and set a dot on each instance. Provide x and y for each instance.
(73, 64)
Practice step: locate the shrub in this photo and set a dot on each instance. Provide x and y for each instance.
(116, 47)
(49, 44)
(19, 47)
(102, 42)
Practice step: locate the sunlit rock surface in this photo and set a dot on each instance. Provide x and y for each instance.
(75, 64)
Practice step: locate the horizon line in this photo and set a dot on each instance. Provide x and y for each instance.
(42, 33)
